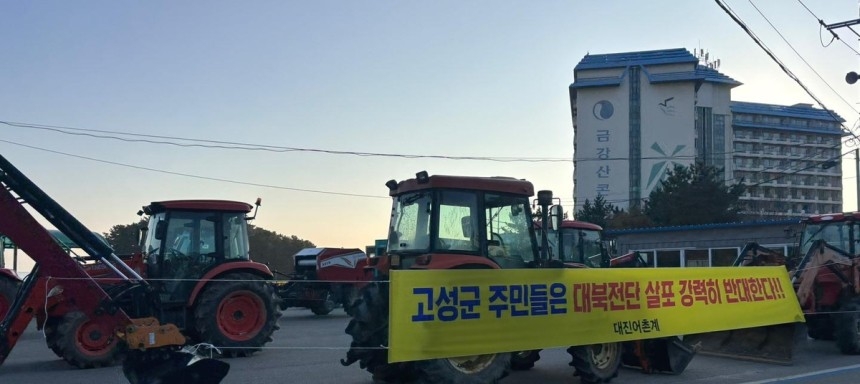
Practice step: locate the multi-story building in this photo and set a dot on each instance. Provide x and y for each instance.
(789, 158)
(638, 114)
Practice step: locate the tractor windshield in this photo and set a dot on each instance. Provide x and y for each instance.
(842, 234)
(582, 246)
(466, 222)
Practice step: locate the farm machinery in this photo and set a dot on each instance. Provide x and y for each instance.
(324, 279)
(193, 276)
(580, 244)
(455, 222)
(825, 272)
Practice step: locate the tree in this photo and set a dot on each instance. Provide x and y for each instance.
(274, 249)
(599, 212)
(634, 218)
(125, 239)
(694, 195)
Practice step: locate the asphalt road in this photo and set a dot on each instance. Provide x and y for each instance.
(308, 349)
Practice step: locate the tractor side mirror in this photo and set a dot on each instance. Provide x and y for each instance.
(556, 216)
(466, 224)
(141, 235)
(160, 230)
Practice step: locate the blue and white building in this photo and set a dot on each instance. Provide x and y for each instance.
(637, 114)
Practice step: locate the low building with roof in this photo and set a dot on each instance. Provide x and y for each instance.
(704, 245)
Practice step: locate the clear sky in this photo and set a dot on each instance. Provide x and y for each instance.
(449, 78)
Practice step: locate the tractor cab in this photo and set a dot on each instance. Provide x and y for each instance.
(186, 238)
(578, 242)
(442, 222)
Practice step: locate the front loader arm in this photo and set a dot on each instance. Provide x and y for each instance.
(154, 354)
(32, 238)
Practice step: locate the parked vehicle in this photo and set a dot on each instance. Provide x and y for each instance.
(324, 279)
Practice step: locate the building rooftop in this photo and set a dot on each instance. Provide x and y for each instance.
(698, 227)
(802, 111)
(624, 59)
(647, 58)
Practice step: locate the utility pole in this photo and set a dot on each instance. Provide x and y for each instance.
(857, 175)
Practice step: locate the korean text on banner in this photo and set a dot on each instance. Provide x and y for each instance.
(450, 313)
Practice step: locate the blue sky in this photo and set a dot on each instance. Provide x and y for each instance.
(452, 78)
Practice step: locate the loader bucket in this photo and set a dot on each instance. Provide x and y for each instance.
(769, 344)
(667, 355)
(172, 367)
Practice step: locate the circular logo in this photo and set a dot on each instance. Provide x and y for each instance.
(603, 110)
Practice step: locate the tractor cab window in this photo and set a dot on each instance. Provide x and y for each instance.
(235, 237)
(582, 246)
(410, 223)
(836, 233)
(509, 230)
(458, 222)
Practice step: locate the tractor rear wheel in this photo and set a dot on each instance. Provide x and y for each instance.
(597, 363)
(8, 290)
(84, 343)
(524, 360)
(846, 324)
(238, 312)
(369, 331)
(325, 306)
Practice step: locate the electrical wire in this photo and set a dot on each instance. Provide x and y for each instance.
(802, 58)
(779, 62)
(203, 143)
(822, 24)
(192, 175)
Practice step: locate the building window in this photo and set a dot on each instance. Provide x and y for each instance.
(669, 258)
(696, 258)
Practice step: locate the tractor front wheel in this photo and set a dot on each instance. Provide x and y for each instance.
(524, 360)
(84, 343)
(369, 331)
(325, 306)
(819, 327)
(597, 363)
(238, 313)
(846, 325)
(8, 290)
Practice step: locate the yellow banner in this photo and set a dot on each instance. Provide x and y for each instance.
(449, 313)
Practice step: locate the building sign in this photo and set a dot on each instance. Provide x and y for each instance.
(449, 313)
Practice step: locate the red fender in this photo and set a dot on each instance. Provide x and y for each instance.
(237, 266)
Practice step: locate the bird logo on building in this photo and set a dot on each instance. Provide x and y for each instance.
(667, 107)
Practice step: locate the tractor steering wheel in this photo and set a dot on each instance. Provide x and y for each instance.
(496, 237)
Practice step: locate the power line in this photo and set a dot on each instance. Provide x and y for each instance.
(216, 144)
(776, 60)
(822, 24)
(802, 58)
(193, 176)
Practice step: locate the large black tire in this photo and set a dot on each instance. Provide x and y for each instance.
(597, 363)
(820, 327)
(84, 343)
(238, 313)
(369, 331)
(846, 325)
(325, 306)
(524, 360)
(51, 334)
(8, 290)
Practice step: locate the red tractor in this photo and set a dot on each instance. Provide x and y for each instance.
(323, 279)
(9, 280)
(451, 222)
(195, 257)
(825, 270)
(121, 314)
